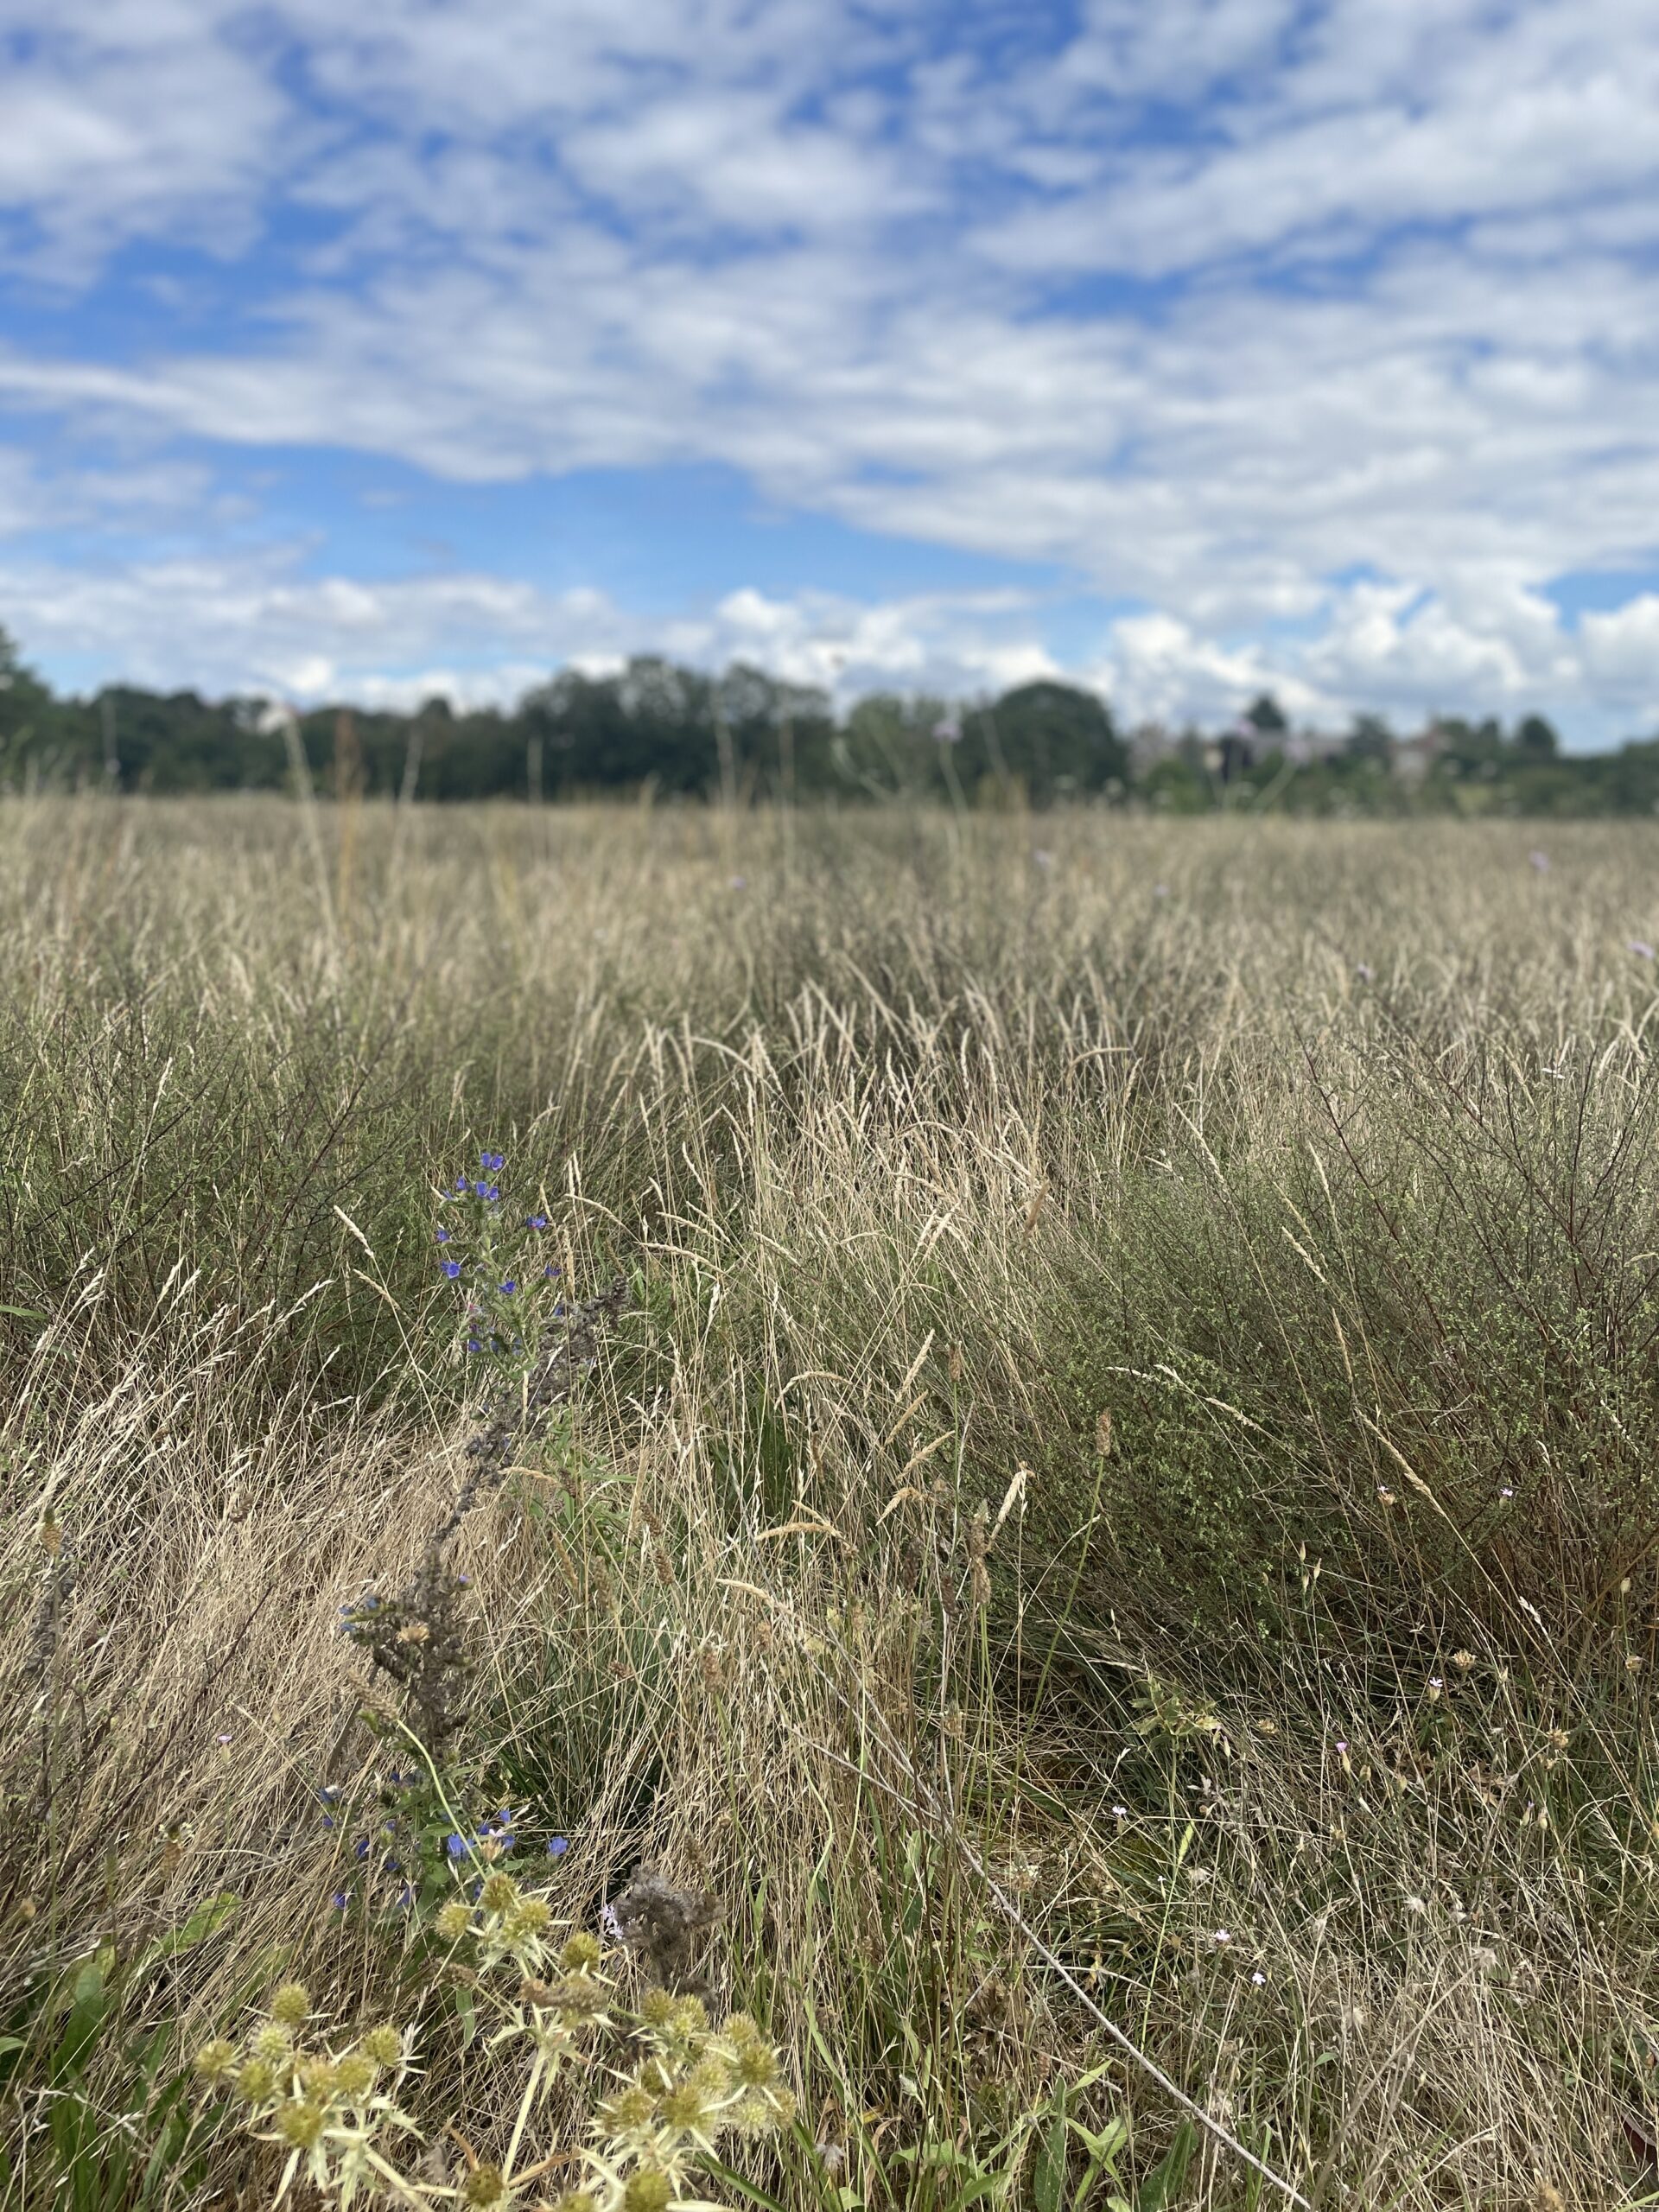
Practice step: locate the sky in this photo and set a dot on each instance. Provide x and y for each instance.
(1184, 348)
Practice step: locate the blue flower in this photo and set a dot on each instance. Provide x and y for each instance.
(493, 1194)
(535, 1221)
(451, 1269)
(481, 1190)
(340, 1900)
(456, 1846)
(492, 1159)
(361, 1848)
(508, 1287)
(443, 1237)
(558, 1846)
(390, 1865)
(472, 1345)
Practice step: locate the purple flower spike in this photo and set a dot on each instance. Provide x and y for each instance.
(451, 1269)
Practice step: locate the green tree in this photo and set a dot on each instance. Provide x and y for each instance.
(1058, 741)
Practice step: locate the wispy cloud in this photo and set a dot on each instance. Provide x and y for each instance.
(1213, 306)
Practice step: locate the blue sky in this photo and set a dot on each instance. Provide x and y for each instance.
(1182, 349)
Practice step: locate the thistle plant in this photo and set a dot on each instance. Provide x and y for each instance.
(669, 2088)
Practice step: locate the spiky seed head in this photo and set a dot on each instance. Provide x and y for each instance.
(691, 2017)
(741, 2029)
(580, 1954)
(483, 2187)
(454, 1920)
(301, 2123)
(216, 2060)
(499, 1893)
(271, 2042)
(317, 2077)
(575, 2200)
(648, 2191)
(257, 2081)
(656, 2008)
(713, 2076)
(531, 1916)
(685, 2106)
(291, 2005)
(757, 2066)
(630, 2108)
(383, 2044)
(354, 2075)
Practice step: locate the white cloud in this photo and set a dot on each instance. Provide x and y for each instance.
(892, 265)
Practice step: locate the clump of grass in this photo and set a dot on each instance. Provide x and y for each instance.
(814, 1577)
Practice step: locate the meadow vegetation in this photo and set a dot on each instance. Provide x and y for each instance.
(1080, 1469)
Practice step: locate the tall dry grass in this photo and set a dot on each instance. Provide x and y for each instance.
(1138, 1396)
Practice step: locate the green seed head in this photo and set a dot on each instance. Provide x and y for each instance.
(272, 2042)
(580, 1954)
(354, 2075)
(454, 1920)
(685, 2106)
(257, 2081)
(647, 2192)
(757, 2066)
(383, 2045)
(291, 2005)
(499, 1893)
(483, 2187)
(301, 2123)
(216, 2060)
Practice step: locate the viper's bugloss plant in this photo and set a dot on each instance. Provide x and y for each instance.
(667, 2087)
(510, 1286)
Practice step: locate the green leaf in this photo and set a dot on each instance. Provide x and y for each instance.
(1166, 2178)
(1048, 2177)
(23, 1313)
(755, 2194)
(209, 1916)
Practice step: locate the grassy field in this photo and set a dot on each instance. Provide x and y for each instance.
(1110, 1527)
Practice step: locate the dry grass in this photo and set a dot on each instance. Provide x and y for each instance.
(924, 1144)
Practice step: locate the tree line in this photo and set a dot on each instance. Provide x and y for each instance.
(749, 737)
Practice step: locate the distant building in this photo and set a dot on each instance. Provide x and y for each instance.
(1412, 758)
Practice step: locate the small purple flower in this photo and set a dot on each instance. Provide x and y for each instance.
(558, 1846)
(451, 1269)
(456, 1846)
(361, 1848)
(472, 1345)
(508, 1287)
(480, 1190)
(535, 1221)
(461, 1183)
(443, 1237)
(1640, 948)
(494, 1194)
(340, 1900)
